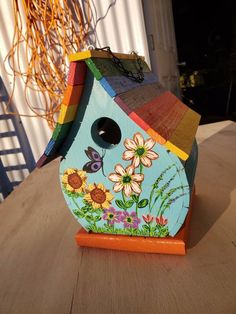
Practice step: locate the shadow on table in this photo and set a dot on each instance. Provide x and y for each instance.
(215, 180)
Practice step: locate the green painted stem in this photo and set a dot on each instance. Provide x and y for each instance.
(140, 171)
(155, 201)
(150, 200)
(124, 199)
(74, 201)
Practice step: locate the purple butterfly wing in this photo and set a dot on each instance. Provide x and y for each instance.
(96, 162)
(93, 154)
(92, 166)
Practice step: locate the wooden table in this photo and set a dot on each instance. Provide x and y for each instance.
(43, 271)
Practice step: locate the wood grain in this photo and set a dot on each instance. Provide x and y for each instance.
(122, 84)
(163, 113)
(137, 97)
(183, 135)
(43, 272)
(100, 54)
(106, 67)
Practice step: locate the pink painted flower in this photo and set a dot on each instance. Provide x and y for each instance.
(126, 179)
(161, 220)
(111, 215)
(148, 218)
(139, 151)
(130, 220)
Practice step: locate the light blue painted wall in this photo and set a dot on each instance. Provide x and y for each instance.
(99, 104)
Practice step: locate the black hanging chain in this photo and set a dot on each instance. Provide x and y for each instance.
(137, 77)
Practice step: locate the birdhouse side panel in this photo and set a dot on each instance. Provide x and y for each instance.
(116, 179)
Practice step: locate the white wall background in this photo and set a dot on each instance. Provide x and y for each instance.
(162, 44)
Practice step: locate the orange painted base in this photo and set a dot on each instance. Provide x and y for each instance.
(169, 245)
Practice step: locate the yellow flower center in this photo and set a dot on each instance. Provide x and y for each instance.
(98, 196)
(75, 180)
(110, 216)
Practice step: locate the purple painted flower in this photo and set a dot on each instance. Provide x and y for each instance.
(111, 215)
(130, 220)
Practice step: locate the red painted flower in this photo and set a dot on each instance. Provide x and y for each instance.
(161, 220)
(148, 218)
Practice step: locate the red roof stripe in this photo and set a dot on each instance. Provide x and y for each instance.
(139, 121)
(163, 113)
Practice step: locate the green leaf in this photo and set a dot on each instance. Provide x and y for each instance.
(97, 218)
(120, 204)
(129, 203)
(153, 229)
(134, 198)
(89, 218)
(143, 203)
(86, 203)
(145, 227)
(78, 213)
(84, 209)
(98, 211)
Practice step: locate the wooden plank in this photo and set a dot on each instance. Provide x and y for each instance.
(80, 56)
(8, 134)
(108, 88)
(191, 165)
(98, 75)
(67, 114)
(156, 136)
(42, 160)
(141, 95)
(181, 140)
(121, 84)
(77, 73)
(34, 222)
(10, 151)
(106, 67)
(131, 244)
(163, 113)
(169, 245)
(139, 121)
(6, 116)
(99, 54)
(72, 95)
(15, 167)
(122, 105)
(61, 130)
(51, 147)
(5, 184)
(28, 228)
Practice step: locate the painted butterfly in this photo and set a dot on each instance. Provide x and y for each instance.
(96, 162)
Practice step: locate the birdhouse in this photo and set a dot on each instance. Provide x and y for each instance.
(128, 153)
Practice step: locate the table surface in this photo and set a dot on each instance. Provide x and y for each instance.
(43, 271)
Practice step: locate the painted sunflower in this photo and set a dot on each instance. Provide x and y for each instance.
(98, 196)
(139, 150)
(126, 179)
(74, 180)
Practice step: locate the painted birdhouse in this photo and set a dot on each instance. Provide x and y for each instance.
(127, 146)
